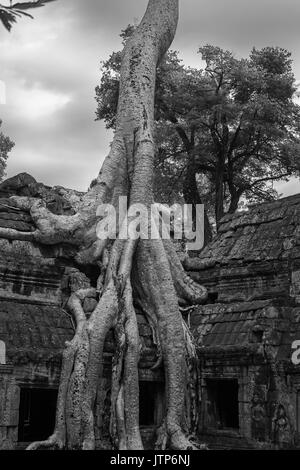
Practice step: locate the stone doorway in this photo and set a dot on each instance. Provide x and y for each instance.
(222, 403)
(151, 403)
(36, 414)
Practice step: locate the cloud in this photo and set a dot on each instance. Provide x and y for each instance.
(288, 189)
(36, 103)
(51, 66)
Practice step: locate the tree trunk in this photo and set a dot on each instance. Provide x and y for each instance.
(157, 280)
(219, 201)
(219, 205)
(235, 193)
(234, 201)
(191, 193)
(192, 196)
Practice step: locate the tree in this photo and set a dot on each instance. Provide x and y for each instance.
(235, 123)
(10, 14)
(6, 146)
(149, 269)
(250, 134)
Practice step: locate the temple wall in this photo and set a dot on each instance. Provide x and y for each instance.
(249, 393)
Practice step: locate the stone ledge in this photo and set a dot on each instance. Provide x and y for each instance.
(6, 369)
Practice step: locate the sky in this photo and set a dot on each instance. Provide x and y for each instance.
(51, 65)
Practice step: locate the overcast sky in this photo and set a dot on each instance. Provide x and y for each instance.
(51, 66)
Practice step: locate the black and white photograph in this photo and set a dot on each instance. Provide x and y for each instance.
(149, 228)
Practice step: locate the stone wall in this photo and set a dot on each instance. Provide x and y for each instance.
(246, 331)
(243, 335)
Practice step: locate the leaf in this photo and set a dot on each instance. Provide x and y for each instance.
(7, 18)
(9, 15)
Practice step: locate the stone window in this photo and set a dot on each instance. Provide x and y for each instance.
(151, 403)
(222, 404)
(36, 414)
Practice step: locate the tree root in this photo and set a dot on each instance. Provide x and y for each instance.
(185, 287)
(155, 289)
(56, 441)
(82, 360)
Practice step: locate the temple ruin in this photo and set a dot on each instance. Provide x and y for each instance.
(249, 389)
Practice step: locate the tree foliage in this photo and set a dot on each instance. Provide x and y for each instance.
(228, 130)
(250, 133)
(6, 146)
(10, 14)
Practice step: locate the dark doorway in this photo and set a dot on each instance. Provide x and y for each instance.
(151, 403)
(36, 414)
(298, 412)
(223, 403)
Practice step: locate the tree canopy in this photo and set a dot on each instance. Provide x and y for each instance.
(227, 130)
(6, 146)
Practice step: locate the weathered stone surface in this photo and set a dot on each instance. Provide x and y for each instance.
(58, 200)
(243, 334)
(33, 331)
(248, 332)
(266, 232)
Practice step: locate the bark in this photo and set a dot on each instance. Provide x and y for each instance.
(235, 192)
(191, 193)
(219, 202)
(156, 281)
(234, 201)
(192, 196)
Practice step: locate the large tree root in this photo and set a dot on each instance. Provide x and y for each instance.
(82, 360)
(155, 288)
(70, 355)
